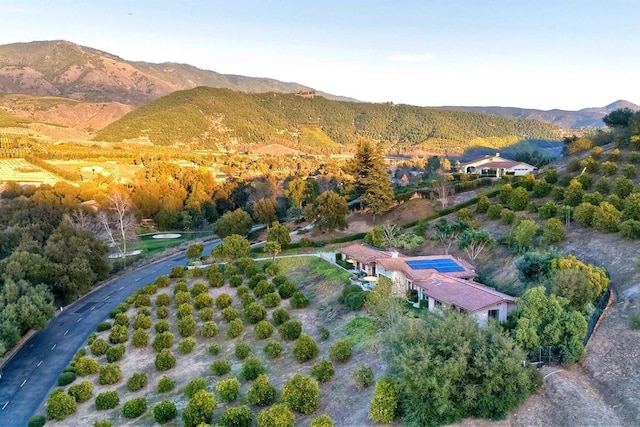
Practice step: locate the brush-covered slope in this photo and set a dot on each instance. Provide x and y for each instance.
(60, 68)
(209, 116)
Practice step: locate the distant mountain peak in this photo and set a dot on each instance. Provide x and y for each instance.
(621, 103)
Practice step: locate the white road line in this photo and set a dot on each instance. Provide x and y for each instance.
(54, 346)
(5, 405)
(79, 319)
(91, 309)
(39, 363)
(121, 288)
(23, 383)
(66, 332)
(138, 279)
(107, 298)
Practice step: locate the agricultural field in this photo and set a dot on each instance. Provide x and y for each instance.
(91, 170)
(21, 171)
(220, 329)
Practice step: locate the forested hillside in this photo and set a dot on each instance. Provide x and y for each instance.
(208, 116)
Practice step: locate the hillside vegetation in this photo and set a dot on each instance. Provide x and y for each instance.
(210, 116)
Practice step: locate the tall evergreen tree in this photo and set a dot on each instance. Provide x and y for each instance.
(373, 184)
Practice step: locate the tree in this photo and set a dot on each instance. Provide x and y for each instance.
(619, 118)
(372, 182)
(606, 218)
(442, 188)
(279, 233)
(278, 415)
(236, 222)
(200, 409)
(523, 234)
(574, 193)
(233, 247)
(301, 394)
(329, 212)
(447, 233)
(298, 192)
(265, 211)
(473, 242)
(518, 199)
(384, 403)
(553, 231)
(273, 248)
(439, 361)
(118, 221)
(195, 251)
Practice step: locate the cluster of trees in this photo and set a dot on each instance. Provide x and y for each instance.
(43, 257)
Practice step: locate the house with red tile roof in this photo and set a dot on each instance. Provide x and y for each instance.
(436, 279)
(496, 166)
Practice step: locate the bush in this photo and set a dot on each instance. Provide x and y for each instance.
(182, 297)
(194, 386)
(323, 371)
(341, 351)
(198, 289)
(107, 400)
(115, 353)
(165, 360)
(299, 300)
(137, 381)
(583, 214)
(109, 374)
(261, 392)
(220, 367)
(635, 321)
(134, 407)
(271, 300)
(119, 334)
(287, 290)
(142, 322)
(162, 281)
(301, 394)
(81, 392)
(242, 351)
(214, 349)
(223, 301)
(235, 280)
(324, 333)
(200, 409)
(86, 366)
(228, 389)
(384, 402)
(322, 421)
(229, 314)
(494, 212)
(216, 280)
(162, 312)
(553, 231)
(140, 338)
(290, 330)
(164, 411)
(103, 326)
(37, 421)
(184, 310)
(143, 300)
(202, 301)
(263, 329)
(186, 345)
(206, 314)
(60, 405)
(251, 368)
(305, 348)
(363, 376)
(254, 313)
(209, 329)
(186, 326)
(162, 340)
(263, 287)
(247, 299)
(279, 415)
(121, 319)
(280, 316)
(177, 272)
(166, 384)
(238, 416)
(507, 216)
(630, 229)
(235, 328)
(273, 349)
(518, 199)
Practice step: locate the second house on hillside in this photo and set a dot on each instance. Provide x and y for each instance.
(496, 166)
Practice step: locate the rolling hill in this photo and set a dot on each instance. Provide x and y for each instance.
(586, 117)
(64, 69)
(206, 117)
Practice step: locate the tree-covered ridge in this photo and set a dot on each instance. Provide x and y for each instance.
(209, 116)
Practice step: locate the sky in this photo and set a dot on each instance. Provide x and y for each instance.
(567, 54)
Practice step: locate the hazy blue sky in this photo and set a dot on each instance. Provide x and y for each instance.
(539, 53)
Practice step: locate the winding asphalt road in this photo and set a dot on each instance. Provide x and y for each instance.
(33, 371)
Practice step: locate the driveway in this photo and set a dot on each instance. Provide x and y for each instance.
(33, 371)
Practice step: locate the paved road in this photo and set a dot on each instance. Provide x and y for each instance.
(31, 374)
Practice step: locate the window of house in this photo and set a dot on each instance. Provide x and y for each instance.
(437, 303)
(494, 314)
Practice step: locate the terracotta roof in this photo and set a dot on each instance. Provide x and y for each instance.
(364, 253)
(400, 264)
(462, 293)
